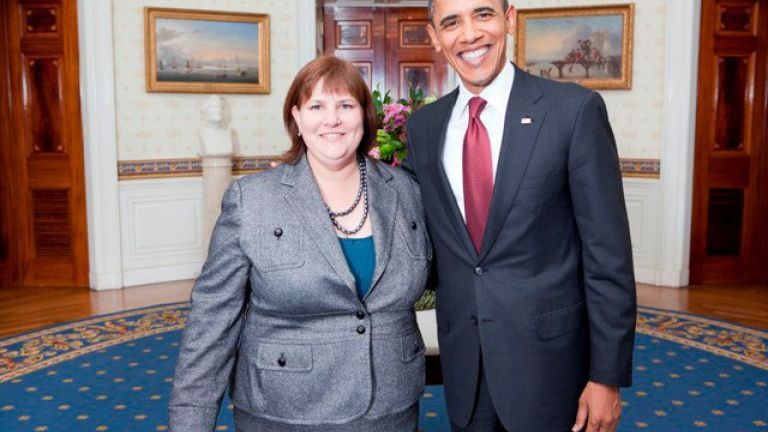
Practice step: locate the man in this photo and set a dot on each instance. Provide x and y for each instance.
(520, 181)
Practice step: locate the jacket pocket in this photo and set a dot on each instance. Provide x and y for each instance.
(414, 233)
(412, 347)
(288, 358)
(278, 247)
(560, 322)
(310, 383)
(534, 180)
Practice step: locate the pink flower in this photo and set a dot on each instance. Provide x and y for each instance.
(395, 110)
(374, 153)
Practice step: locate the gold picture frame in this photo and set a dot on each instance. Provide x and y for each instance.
(591, 46)
(200, 51)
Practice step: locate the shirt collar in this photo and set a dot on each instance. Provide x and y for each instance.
(497, 92)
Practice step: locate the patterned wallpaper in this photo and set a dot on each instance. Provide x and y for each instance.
(164, 125)
(637, 114)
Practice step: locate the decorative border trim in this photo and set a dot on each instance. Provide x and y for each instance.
(721, 338)
(77, 338)
(158, 168)
(648, 168)
(26, 353)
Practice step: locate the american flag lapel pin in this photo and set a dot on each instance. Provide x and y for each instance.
(526, 120)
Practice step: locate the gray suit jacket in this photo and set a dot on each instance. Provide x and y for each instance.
(550, 298)
(276, 316)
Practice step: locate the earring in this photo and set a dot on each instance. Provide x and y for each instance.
(299, 133)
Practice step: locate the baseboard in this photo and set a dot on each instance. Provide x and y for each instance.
(106, 281)
(661, 277)
(160, 274)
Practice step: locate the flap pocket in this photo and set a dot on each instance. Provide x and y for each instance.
(553, 324)
(278, 247)
(412, 346)
(533, 180)
(414, 233)
(289, 358)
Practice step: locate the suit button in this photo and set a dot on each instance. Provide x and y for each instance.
(278, 232)
(281, 361)
(473, 319)
(413, 225)
(360, 314)
(479, 271)
(360, 329)
(415, 347)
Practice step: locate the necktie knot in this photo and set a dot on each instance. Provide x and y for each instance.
(476, 105)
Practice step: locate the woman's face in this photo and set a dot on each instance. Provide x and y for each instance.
(331, 125)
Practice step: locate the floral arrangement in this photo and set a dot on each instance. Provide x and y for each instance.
(391, 119)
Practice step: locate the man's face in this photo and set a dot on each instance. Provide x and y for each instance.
(472, 34)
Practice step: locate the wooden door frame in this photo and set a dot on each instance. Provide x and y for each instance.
(9, 269)
(44, 179)
(745, 267)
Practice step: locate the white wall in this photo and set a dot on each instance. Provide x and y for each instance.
(161, 226)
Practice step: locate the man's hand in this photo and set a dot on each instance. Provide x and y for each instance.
(599, 408)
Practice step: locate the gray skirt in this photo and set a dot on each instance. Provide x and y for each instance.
(403, 421)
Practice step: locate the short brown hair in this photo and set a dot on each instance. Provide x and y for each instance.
(431, 9)
(338, 76)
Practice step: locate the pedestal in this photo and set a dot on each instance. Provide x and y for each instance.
(217, 174)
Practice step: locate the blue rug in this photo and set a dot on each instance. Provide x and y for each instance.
(114, 373)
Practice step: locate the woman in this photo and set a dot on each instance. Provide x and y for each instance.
(305, 304)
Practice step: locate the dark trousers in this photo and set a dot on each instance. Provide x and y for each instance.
(484, 418)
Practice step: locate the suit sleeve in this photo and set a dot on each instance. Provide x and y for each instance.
(409, 166)
(213, 327)
(598, 200)
(409, 163)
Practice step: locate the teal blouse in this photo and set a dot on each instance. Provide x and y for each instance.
(361, 257)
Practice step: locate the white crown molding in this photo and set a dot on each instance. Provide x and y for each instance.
(682, 49)
(97, 101)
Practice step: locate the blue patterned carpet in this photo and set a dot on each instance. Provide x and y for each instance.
(114, 373)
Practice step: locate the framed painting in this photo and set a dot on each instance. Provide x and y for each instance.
(413, 34)
(417, 76)
(365, 69)
(353, 35)
(195, 51)
(591, 46)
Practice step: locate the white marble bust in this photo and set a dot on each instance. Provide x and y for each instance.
(216, 137)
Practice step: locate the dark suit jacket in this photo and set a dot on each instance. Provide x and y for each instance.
(550, 299)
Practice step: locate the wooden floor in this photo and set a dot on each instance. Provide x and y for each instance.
(29, 308)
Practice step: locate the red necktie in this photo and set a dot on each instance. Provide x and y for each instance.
(477, 169)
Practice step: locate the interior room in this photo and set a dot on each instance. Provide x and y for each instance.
(128, 126)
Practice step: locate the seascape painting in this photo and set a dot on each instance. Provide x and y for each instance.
(207, 51)
(591, 46)
(201, 51)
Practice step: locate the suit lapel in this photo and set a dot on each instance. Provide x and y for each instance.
(306, 200)
(443, 186)
(517, 145)
(383, 209)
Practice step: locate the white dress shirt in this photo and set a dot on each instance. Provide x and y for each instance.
(492, 116)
